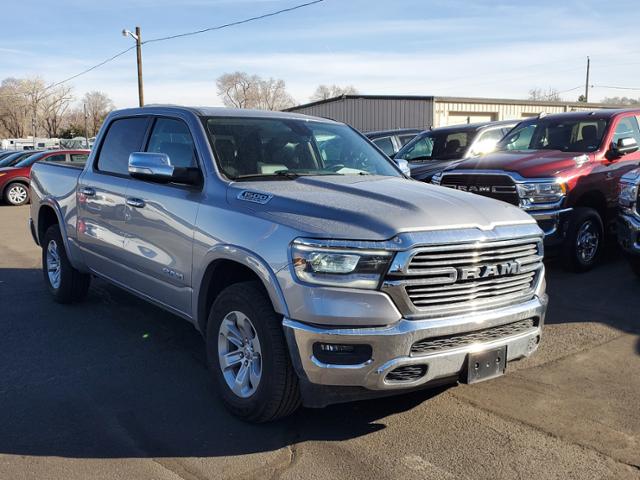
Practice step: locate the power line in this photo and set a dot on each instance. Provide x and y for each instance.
(98, 65)
(570, 89)
(616, 87)
(180, 35)
(232, 24)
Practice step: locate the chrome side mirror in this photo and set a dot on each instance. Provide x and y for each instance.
(403, 165)
(624, 146)
(151, 166)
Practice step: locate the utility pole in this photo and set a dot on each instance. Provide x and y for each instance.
(86, 129)
(138, 38)
(586, 85)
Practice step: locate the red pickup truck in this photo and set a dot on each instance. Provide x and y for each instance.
(14, 181)
(563, 169)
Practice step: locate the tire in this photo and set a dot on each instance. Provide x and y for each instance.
(583, 244)
(275, 394)
(16, 194)
(68, 285)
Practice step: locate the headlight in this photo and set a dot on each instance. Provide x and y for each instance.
(628, 194)
(532, 194)
(340, 267)
(436, 178)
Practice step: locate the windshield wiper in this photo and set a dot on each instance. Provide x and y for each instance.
(281, 175)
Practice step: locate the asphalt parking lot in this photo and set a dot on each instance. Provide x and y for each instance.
(115, 388)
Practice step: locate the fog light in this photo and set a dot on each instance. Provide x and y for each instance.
(342, 354)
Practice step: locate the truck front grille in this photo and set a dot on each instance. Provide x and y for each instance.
(500, 187)
(437, 344)
(447, 279)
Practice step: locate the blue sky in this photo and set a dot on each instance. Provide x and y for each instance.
(430, 47)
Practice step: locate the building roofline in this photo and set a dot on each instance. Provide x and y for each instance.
(507, 101)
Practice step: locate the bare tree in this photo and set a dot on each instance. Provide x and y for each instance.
(272, 95)
(98, 107)
(548, 95)
(242, 90)
(53, 109)
(621, 100)
(13, 107)
(323, 92)
(238, 89)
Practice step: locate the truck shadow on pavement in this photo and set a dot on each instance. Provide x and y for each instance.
(609, 294)
(114, 377)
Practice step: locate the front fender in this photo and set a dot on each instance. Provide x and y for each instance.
(246, 258)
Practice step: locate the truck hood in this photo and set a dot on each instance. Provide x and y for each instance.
(528, 163)
(425, 170)
(368, 207)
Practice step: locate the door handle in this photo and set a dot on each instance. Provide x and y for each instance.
(135, 202)
(88, 191)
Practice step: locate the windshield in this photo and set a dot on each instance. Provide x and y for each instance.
(12, 159)
(277, 148)
(437, 145)
(30, 160)
(566, 135)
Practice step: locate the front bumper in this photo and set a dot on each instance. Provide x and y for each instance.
(629, 234)
(553, 223)
(391, 346)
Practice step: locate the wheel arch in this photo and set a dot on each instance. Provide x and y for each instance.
(225, 266)
(596, 200)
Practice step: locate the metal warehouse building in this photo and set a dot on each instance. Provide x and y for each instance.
(378, 112)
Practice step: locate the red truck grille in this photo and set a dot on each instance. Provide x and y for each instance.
(500, 187)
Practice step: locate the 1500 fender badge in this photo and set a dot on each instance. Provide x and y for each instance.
(255, 197)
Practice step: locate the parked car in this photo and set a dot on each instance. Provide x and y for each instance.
(391, 141)
(434, 150)
(14, 157)
(314, 269)
(564, 170)
(14, 181)
(629, 220)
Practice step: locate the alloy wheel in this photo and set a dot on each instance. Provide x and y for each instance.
(239, 354)
(587, 241)
(53, 264)
(17, 194)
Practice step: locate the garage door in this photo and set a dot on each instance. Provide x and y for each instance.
(470, 117)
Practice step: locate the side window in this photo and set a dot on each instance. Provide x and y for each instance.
(56, 158)
(79, 158)
(124, 137)
(487, 141)
(404, 139)
(385, 144)
(627, 127)
(172, 137)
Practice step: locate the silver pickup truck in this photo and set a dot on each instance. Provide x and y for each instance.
(315, 270)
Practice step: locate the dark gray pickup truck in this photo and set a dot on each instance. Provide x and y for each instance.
(314, 269)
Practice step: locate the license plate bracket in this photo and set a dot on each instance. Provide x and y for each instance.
(486, 364)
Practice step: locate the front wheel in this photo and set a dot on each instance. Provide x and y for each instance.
(248, 355)
(65, 283)
(583, 244)
(16, 194)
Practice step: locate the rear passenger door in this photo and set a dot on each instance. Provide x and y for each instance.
(101, 198)
(161, 219)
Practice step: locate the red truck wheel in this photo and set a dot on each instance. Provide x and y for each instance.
(584, 241)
